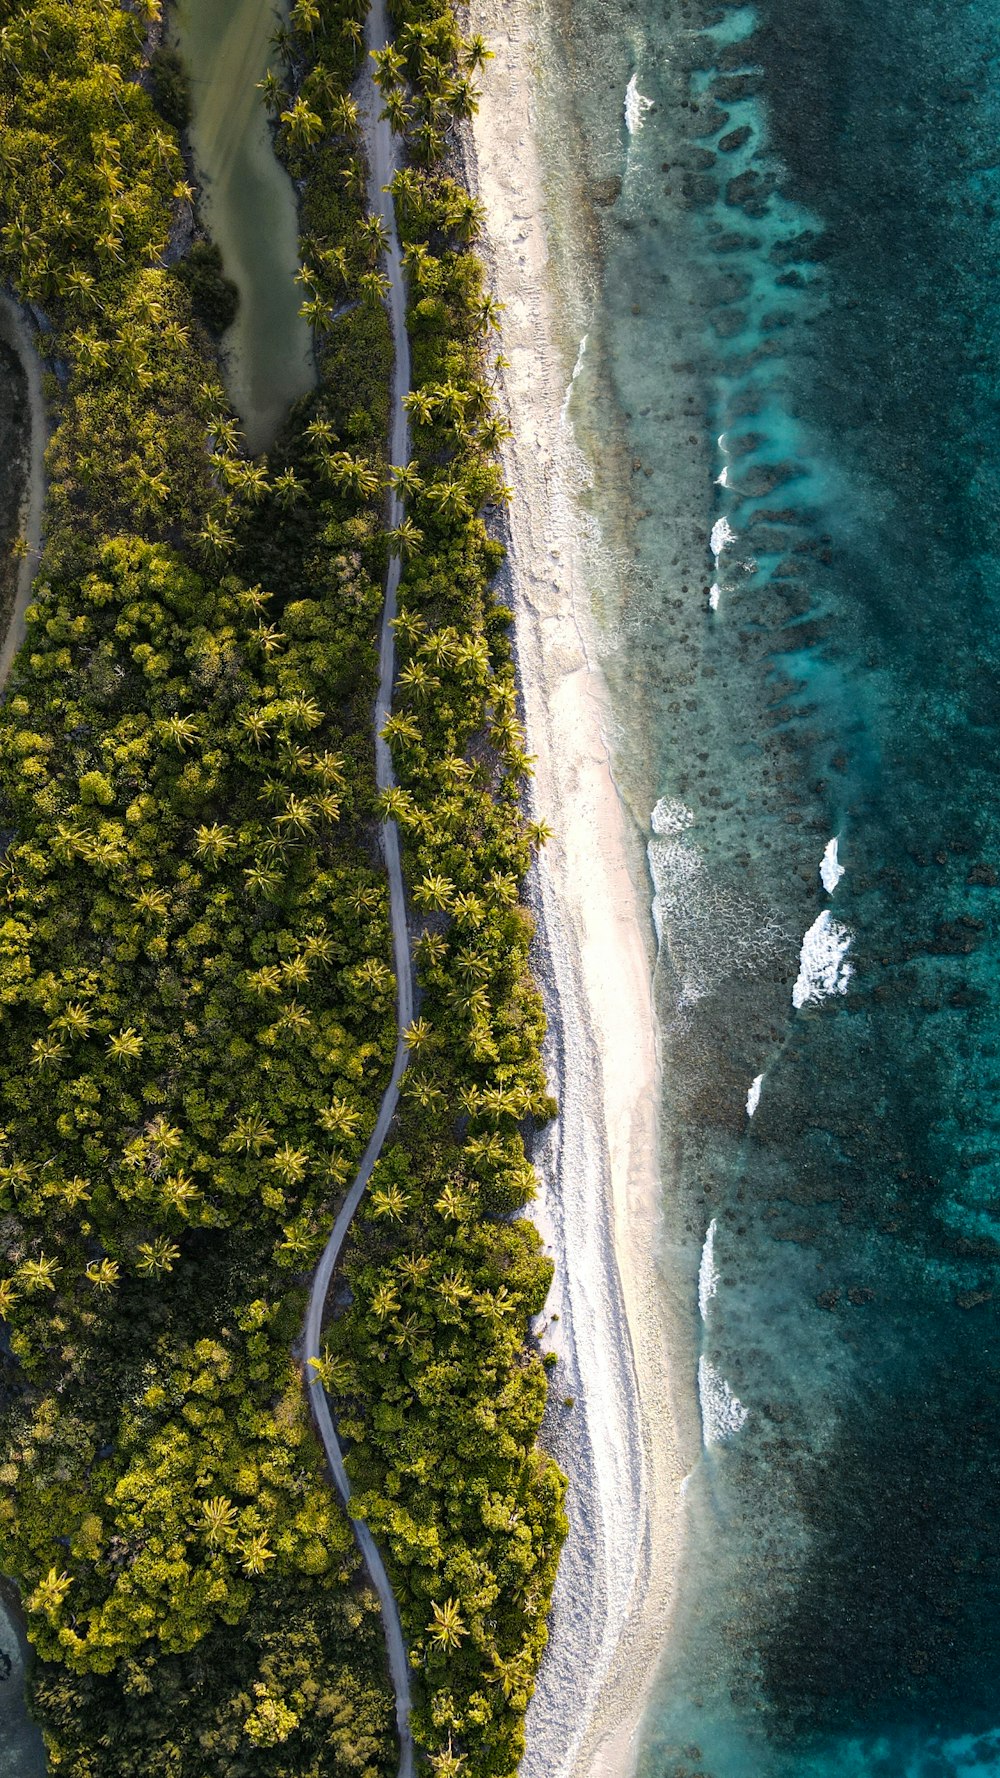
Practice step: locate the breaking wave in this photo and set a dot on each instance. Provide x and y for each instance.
(823, 970)
(708, 1276)
(709, 930)
(722, 1413)
(831, 870)
(635, 107)
(722, 535)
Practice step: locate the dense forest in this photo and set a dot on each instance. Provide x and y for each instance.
(196, 991)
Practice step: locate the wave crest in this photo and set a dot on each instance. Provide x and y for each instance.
(823, 970)
(722, 1412)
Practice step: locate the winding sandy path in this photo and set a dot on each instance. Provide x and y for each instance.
(14, 330)
(381, 152)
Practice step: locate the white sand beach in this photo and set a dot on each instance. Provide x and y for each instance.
(599, 1207)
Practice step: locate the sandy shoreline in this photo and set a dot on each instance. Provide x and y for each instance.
(599, 1209)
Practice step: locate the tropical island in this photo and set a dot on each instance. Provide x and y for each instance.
(264, 961)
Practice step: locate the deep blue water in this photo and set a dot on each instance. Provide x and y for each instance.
(800, 287)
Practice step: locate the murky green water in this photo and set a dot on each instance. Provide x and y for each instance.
(248, 205)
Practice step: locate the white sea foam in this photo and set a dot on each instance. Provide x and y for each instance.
(722, 481)
(722, 534)
(722, 1413)
(710, 930)
(722, 441)
(577, 368)
(708, 1277)
(671, 816)
(753, 1095)
(822, 967)
(636, 106)
(831, 870)
(714, 595)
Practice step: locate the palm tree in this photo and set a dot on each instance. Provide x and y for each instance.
(385, 1300)
(305, 16)
(389, 1201)
(462, 98)
(75, 1019)
(290, 1164)
(251, 1132)
(406, 480)
(468, 910)
(493, 433)
(374, 287)
(475, 52)
(287, 488)
(38, 1274)
(178, 1192)
(262, 881)
(320, 430)
(212, 843)
(255, 1553)
(353, 176)
(75, 1191)
(126, 1045)
(374, 234)
(415, 1267)
(304, 126)
(452, 1204)
(418, 678)
(353, 473)
(47, 1051)
(446, 1627)
(339, 1118)
(448, 498)
(405, 539)
(420, 405)
(317, 313)
(390, 66)
(156, 1257)
(214, 538)
(345, 115)
(104, 1273)
(434, 893)
(273, 91)
(395, 111)
(50, 1593)
(220, 1517)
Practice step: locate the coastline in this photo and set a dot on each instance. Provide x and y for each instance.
(599, 1206)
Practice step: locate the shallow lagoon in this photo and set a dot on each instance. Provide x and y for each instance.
(248, 205)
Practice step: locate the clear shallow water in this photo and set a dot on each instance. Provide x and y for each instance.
(248, 206)
(797, 296)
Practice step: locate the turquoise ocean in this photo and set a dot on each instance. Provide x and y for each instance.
(789, 215)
